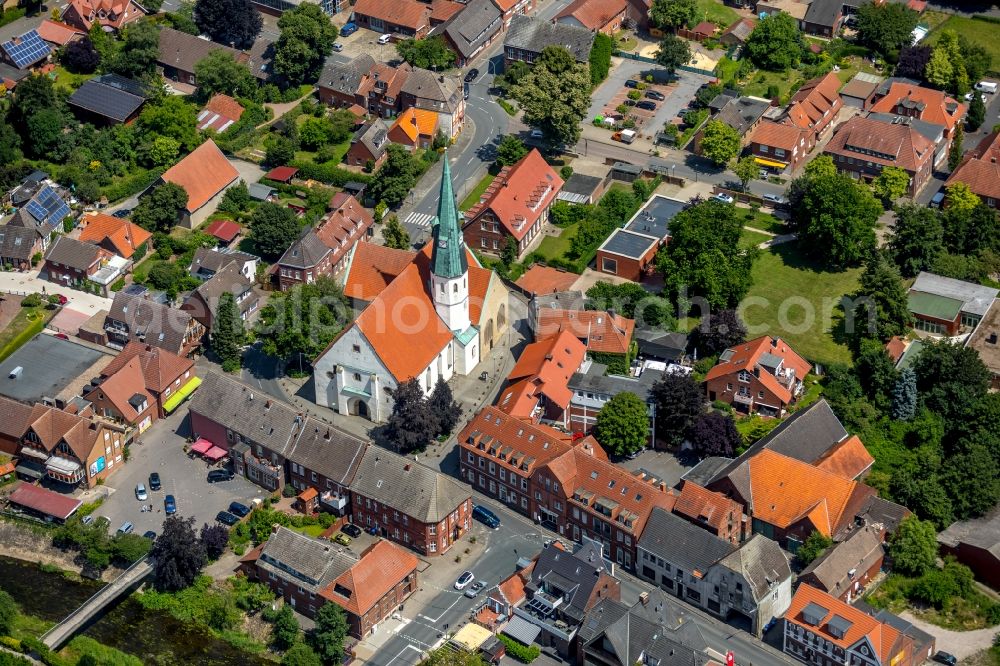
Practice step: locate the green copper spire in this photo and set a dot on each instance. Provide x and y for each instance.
(448, 259)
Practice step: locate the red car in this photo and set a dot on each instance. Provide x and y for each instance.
(62, 336)
(62, 299)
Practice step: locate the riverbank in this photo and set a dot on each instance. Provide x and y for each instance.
(34, 545)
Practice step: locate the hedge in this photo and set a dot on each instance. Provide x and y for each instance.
(131, 185)
(329, 174)
(29, 332)
(600, 58)
(12, 15)
(519, 651)
(988, 19)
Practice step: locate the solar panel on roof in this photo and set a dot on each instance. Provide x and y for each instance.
(36, 211)
(27, 50)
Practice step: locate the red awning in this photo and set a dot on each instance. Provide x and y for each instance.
(216, 453)
(202, 445)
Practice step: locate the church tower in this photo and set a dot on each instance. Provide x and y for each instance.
(449, 265)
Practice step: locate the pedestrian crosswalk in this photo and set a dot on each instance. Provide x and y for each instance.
(419, 220)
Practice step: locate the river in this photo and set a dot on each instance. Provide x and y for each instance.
(153, 636)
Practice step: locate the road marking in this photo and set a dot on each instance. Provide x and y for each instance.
(400, 653)
(438, 618)
(419, 220)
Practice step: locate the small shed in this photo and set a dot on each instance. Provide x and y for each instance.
(859, 92)
(704, 30)
(42, 503)
(282, 174)
(582, 189)
(737, 33)
(260, 191)
(225, 231)
(625, 172)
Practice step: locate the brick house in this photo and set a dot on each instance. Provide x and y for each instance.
(946, 306)
(628, 254)
(976, 544)
(608, 335)
(514, 208)
(980, 170)
(591, 388)
(324, 250)
(308, 573)
(431, 91)
(538, 386)
(70, 262)
(604, 16)
(404, 19)
(368, 145)
(204, 173)
(409, 503)
(906, 98)
(114, 234)
(203, 302)
(414, 128)
(511, 9)
(133, 317)
(846, 568)
(815, 105)
(18, 245)
(471, 30)
(862, 147)
(528, 36)
(712, 512)
(822, 630)
(109, 14)
(137, 386)
(761, 376)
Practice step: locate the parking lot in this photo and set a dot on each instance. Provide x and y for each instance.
(639, 115)
(162, 451)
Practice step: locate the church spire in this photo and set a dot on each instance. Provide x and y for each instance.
(448, 259)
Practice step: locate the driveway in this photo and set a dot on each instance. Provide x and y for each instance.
(14, 282)
(183, 477)
(962, 644)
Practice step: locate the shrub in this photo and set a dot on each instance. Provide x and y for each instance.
(634, 94)
(508, 107)
(36, 258)
(11, 642)
(288, 491)
(519, 651)
(31, 301)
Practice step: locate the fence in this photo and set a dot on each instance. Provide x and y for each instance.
(652, 61)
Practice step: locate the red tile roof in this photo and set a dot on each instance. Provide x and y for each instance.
(442, 10)
(123, 235)
(885, 640)
(124, 383)
(203, 174)
(601, 331)
(701, 505)
(533, 444)
(911, 149)
(746, 357)
(544, 368)
(224, 230)
(408, 13)
(813, 105)
(848, 458)
(895, 348)
(160, 368)
(220, 112)
(44, 501)
(705, 28)
(933, 106)
(546, 280)
(108, 13)
(593, 14)
(512, 589)
(373, 267)
(980, 169)
(58, 33)
(382, 567)
(282, 174)
(519, 194)
(777, 135)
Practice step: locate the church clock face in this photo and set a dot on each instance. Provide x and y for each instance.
(864, 650)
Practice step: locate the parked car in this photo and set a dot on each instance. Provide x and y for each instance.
(88, 519)
(154, 481)
(140, 493)
(655, 94)
(122, 214)
(385, 39)
(62, 299)
(485, 516)
(338, 47)
(464, 580)
(631, 83)
(127, 528)
(226, 518)
(774, 199)
(646, 105)
(349, 29)
(536, 134)
(986, 87)
(351, 530)
(241, 510)
(473, 590)
(723, 197)
(217, 475)
(169, 505)
(150, 534)
(471, 76)
(342, 539)
(945, 658)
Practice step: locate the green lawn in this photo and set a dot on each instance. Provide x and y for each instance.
(553, 247)
(310, 530)
(716, 12)
(763, 221)
(477, 191)
(796, 300)
(67, 80)
(25, 324)
(981, 32)
(760, 81)
(752, 238)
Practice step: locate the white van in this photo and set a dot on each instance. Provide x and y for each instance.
(384, 39)
(986, 87)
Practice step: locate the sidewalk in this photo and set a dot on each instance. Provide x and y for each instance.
(30, 283)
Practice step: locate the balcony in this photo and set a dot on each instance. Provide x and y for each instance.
(743, 399)
(550, 623)
(333, 500)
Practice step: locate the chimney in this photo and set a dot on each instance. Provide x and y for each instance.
(267, 405)
(644, 598)
(775, 341)
(406, 467)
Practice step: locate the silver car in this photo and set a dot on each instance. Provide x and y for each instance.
(140, 493)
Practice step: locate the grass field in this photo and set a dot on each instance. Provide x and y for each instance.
(760, 81)
(553, 247)
(752, 238)
(25, 324)
(68, 81)
(716, 12)
(762, 221)
(800, 302)
(473, 198)
(981, 32)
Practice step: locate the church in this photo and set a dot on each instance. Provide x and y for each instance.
(427, 315)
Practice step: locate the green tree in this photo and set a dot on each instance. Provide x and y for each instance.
(946, 68)
(139, 52)
(443, 406)
(890, 184)
(951, 379)
(975, 57)
(45, 131)
(550, 96)
(775, 43)
(715, 434)
(814, 546)
(623, 424)
(307, 37)
(673, 14)
(228, 335)
(632, 301)
(395, 178)
(8, 613)
(163, 151)
(218, 72)
(172, 117)
(877, 372)
(746, 170)
(835, 218)
(881, 307)
(977, 112)
(10, 143)
(236, 199)
(395, 235)
(673, 53)
(600, 58)
(913, 547)
(285, 632)
(273, 228)
(233, 22)
(279, 150)
(904, 396)
(704, 257)
(315, 133)
(961, 199)
(679, 401)
(427, 53)
(161, 208)
(81, 57)
(955, 151)
(886, 27)
(510, 150)
(917, 239)
(327, 638)
(411, 425)
(720, 142)
(301, 654)
(303, 320)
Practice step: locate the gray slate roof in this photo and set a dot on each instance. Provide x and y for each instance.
(682, 544)
(473, 26)
(981, 532)
(742, 112)
(862, 550)
(329, 451)
(433, 92)
(977, 299)
(73, 253)
(110, 95)
(210, 260)
(594, 380)
(345, 77)
(228, 280)
(315, 563)
(183, 51)
(159, 324)
(530, 33)
(307, 251)
(762, 563)
(581, 569)
(578, 183)
(629, 244)
(406, 486)
(823, 12)
(657, 343)
(16, 242)
(374, 136)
